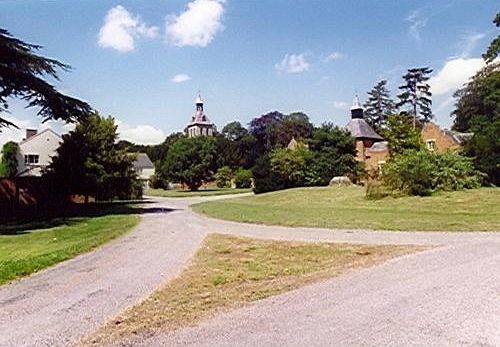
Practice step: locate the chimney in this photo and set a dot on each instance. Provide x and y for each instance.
(30, 133)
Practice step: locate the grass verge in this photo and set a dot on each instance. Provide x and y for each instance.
(32, 250)
(346, 207)
(228, 272)
(202, 192)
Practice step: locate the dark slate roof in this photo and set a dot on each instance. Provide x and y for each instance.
(143, 161)
(458, 137)
(360, 129)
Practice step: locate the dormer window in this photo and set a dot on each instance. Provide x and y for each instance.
(431, 145)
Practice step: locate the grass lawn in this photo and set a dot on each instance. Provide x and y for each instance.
(202, 192)
(228, 272)
(32, 250)
(346, 207)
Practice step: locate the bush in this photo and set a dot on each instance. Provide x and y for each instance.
(265, 180)
(243, 178)
(376, 190)
(223, 177)
(423, 172)
(156, 182)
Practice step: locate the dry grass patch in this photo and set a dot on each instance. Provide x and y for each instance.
(228, 272)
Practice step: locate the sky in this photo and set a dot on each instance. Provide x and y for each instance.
(143, 62)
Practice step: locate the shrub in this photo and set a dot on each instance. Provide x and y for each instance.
(265, 180)
(223, 177)
(243, 178)
(156, 182)
(423, 172)
(376, 190)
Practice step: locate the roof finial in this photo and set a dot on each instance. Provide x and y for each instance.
(355, 103)
(199, 100)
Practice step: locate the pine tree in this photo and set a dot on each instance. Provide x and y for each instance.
(379, 106)
(416, 94)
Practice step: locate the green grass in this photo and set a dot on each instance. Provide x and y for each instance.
(202, 192)
(228, 272)
(346, 207)
(32, 250)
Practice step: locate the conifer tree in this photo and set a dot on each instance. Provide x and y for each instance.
(379, 106)
(416, 94)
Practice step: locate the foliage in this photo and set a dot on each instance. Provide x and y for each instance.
(295, 125)
(264, 129)
(234, 131)
(21, 73)
(484, 147)
(424, 172)
(401, 134)
(190, 161)
(416, 94)
(291, 165)
(154, 152)
(494, 47)
(156, 182)
(265, 179)
(479, 100)
(223, 177)
(376, 190)
(243, 178)
(334, 151)
(379, 106)
(88, 162)
(8, 162)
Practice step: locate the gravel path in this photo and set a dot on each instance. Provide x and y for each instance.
(450, 295)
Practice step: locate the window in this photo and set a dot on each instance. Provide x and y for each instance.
(30, 159)
(381, 164)
(431, 145)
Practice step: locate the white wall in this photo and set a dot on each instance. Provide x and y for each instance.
(44, 145)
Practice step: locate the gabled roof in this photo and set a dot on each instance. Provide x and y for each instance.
(40, 133)
(382, 146)
(457, 136)
(360, 129)
(142, 161)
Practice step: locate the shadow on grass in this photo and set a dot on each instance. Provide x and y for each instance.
(77, 213)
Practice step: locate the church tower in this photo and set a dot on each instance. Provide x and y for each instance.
(200, 125)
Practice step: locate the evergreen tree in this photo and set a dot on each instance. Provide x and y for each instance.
(494, 47)
(379, 106)
(416, 94)
(20, 76)
(8, 163)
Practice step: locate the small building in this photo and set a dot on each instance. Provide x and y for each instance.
(144, 168)
(36, 151)
(200, 125)
(361, 130)
(440, 140)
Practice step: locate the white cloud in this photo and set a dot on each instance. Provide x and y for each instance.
(417, 23)
(121, 28)
(179, 78)
(11, 133)
(454, 74)
(140, 134)
(333, 56)
(198, 25)
(470, 42)
(292, 63)
(341, 105)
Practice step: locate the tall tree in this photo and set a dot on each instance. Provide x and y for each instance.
(494, 48)
(401, 134)
(234, 131)
(416, 94)
(89, 163)
(295, 125)
(21, 73)
(264, 128)
(8, 163)
(379, 105)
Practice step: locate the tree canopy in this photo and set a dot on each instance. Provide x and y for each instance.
(401, 134)
(379, 106)
(8, 162)
(89, 163)
(416, 95)
(21, 76)
(494, 47)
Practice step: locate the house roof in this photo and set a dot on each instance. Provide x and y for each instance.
(382, 146)
(360, 129)
(458, 137)
(38, 134)
(142, 161)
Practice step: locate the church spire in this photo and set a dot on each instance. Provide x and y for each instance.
(356, 108)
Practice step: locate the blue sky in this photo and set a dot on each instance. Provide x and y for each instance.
(144, 61)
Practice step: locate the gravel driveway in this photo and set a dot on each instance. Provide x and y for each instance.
(447, 296)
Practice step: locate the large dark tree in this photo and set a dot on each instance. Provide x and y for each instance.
(494, 48)
(89, 163)
(21, 76)
(295, 125)
(234, 131)
(416, 95)
(265, 130)
(8, 162)
(379, 105)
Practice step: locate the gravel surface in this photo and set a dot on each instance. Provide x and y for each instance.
(450, 295)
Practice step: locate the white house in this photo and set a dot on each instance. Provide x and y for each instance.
(144, 168)
(36, 151)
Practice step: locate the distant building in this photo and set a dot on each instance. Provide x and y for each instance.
(144, 168)
(200, 125)
(36, 151)
(362, 131)
(440, 140)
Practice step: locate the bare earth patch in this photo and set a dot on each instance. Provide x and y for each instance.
(228, 272)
